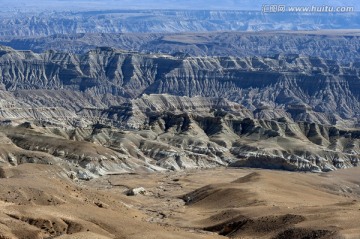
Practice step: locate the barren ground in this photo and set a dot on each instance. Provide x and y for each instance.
(39, 201)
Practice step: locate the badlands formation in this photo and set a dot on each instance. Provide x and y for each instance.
(115, 111)
(200, 141)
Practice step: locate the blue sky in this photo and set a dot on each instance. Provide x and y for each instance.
(173, 4)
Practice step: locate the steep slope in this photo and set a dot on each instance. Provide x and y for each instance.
(160, 132)
(283, 112)
(309, 89)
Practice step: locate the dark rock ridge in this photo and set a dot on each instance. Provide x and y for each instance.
(342, 45)
(171, 132)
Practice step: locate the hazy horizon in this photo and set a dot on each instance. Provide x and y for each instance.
(172, 4)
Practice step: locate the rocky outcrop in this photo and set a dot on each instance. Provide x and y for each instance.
(139, 112)
(158, 132)
(187, 140)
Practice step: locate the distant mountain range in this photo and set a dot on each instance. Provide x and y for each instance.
(20, 24)
(342, 46)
